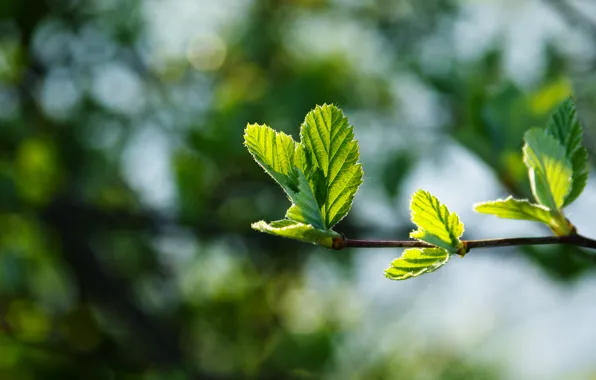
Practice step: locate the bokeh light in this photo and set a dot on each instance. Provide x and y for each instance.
(126, 195)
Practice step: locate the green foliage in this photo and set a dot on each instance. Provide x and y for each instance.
(298, 231)
(188, 293)
(557, 168)
(511, 208)
(549, 170)
(331, 161)
(436, 225)
(565, 127)
(305, 208)
(416, 261)
(320, 175)
(274, 151)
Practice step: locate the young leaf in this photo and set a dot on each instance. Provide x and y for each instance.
(549, 170)
(298, 231)
(305, 208)
(579, 179)
(436, 225)
(416, 261)
(565, 127)
(331, 161)
(277, 153)
(274, 151)
(511, 208)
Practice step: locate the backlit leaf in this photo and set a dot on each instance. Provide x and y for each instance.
(278, 154)
(305, 208)
(416, 261)
(331, 161)
(436, 225)
(298, 231)
(549, 170)
(511, 208)
(565, 127)
(274, 151)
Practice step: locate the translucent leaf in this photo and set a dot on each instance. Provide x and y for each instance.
(305, 208)
(579, 179)
(549, 170)
(416, 261)
(511, 208)
(278, 154)
(298, 231)
(275, 152)
(565, 127)
(330, 163)
(436, 225)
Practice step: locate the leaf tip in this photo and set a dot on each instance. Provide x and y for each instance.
(261, 226)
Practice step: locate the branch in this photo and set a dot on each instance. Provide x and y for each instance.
(577, 240)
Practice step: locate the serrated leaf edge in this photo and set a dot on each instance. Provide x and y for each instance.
(436, 264)
(534, 159)
(445, 219)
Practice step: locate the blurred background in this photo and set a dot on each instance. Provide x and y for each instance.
(126, 195)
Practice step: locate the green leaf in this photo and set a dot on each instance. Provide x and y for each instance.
(416, 261)
(278, 154)
(275, 152)
(565, 127)
(305, 208)
(511, 208)
(298, 231)
(436, 225)
(330, 161)
(549, 170)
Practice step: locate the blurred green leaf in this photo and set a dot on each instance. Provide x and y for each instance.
(511, 208)
(565, 127)
(550, 94)
(331, 161)
(38, 170)
(436, 225)
(549, 170)
(416, 261)
(298, 231)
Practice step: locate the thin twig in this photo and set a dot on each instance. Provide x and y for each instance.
(577, 240)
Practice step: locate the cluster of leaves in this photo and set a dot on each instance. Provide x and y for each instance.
(321, 176)
(437, 227)
(557, 165)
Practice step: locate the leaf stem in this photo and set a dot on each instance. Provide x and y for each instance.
(577, 240)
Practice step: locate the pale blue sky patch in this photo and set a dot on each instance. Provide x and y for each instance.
(146, 165)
